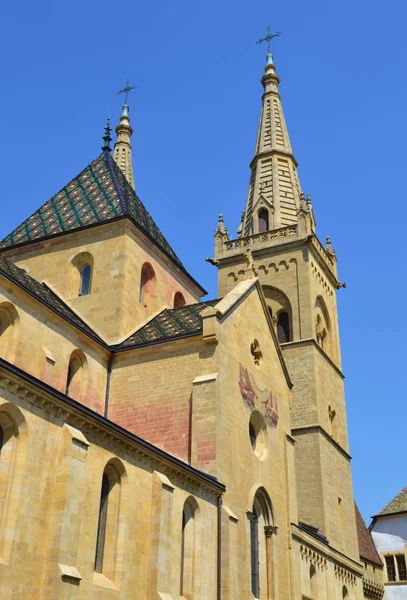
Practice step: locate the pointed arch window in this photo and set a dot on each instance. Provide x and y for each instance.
(85, 281)
(283, 327)
(108, 521)
(263, 220)
(179, 300)
(101, 533)
(146, 283)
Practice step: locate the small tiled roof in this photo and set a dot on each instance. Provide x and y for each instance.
(98, 194)
(45, 295)
(170, 324)
(367, 548)
(398, 504)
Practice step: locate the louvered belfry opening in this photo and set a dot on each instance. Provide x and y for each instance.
(283, 328)
(263, 220)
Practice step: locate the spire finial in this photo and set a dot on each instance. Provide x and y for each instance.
(268, 39)
(126, 91)
(107, 138)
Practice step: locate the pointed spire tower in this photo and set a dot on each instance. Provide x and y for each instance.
(122, 147)
(277, 243)
(274, 184)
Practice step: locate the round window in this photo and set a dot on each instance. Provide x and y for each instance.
(258, 435)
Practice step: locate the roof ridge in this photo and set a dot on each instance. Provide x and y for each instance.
(99, 194)
(397, 504)
(2, 244)
(111, 166)
(34, 287)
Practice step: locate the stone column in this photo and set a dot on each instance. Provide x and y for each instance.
(269, 531)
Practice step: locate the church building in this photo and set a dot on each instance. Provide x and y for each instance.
(155, 444)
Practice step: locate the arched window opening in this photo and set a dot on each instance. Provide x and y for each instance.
(81, 274)
(101, 533)
(261, 545)
(263, 220)
(345, 593)
(179, 300)
(189, 544)
(283, 328)
(108, 522)
(146, 283)
(313, 582)
(86, 276)
(279, 305)
(75, 375)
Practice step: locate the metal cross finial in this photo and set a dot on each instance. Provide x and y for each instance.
(268, 38)
(107, 138)
(126, 90)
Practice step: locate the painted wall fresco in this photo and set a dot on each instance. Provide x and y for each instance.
(256, 395)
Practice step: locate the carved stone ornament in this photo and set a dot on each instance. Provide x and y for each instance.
(256, 352)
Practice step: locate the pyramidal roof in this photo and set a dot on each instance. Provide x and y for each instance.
(100, 193)
(397, 505)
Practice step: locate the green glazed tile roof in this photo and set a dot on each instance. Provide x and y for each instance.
(398, 504)
(44, 294)
(98, 194)
(170, 324)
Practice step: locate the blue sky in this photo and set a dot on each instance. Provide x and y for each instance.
(195, 115)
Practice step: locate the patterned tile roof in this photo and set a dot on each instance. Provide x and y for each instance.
(170, 324)
(398, 504)
(367, 548)
(45, 295)
(98, 194)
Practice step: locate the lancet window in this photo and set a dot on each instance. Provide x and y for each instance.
(108, 521)
(283, 327)
(263, 220)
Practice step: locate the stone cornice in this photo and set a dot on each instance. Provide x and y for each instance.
(61, 406)
(353, 568)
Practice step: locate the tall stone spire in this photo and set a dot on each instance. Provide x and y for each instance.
(274, 184)
(122, 147)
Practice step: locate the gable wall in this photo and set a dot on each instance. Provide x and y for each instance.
(39, 334)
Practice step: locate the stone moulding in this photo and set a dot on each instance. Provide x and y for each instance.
(345, 567)
(73, 413)
(373, 589)
(260, 238)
